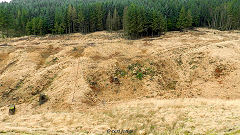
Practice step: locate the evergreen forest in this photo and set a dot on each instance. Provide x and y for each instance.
(137, 18)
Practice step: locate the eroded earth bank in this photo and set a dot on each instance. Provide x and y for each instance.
(178, 83)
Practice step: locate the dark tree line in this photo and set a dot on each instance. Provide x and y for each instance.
(136, 17)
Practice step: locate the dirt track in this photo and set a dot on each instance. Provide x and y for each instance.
(98, 74)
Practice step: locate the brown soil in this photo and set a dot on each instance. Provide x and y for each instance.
(99, 71)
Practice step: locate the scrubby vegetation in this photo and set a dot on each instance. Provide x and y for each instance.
(136, 17)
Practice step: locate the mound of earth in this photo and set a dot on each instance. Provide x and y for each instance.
(81, 72)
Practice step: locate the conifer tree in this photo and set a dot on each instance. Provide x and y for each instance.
(29, 28)
(109, 21)
(73, 20)
(125, 19)
(81, 21)
(158, 24)
(23, 20)
(38, 17)
(133, 21)
(2, 20)
(115, 20)
(34, 26)
(141, 21)
(40, 26)
(93, 18)
(99, 11)
(181, 24)
(7, 20)
(189, 19)
(69, 18)
(18, 21)
(56, 27)
(61, 28)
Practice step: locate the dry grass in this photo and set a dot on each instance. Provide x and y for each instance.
(99, 81)
(50, 50)
(77, 52)
(143, 117)
(3, 56)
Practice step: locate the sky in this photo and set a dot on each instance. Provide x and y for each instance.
(5, 0)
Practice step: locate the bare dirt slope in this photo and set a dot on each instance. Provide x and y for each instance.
(181, 82)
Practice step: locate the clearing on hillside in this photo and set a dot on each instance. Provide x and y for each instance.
(179, 83)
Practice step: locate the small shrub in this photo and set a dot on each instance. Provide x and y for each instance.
(120, 72)
(139, 71)
(139, 75)
(133, 66)
(150, 71)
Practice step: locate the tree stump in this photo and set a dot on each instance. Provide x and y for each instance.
(42, 99)
(12, 109)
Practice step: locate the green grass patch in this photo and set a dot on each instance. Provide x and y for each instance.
(139, 75)
(233, 133)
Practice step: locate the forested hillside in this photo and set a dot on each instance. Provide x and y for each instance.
(136, 17)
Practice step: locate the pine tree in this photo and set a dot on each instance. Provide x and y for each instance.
(115, 20)
(2, 20)
(29, 28)
(141, 21)
(7, 20)
(125, 19)
(99, 11)
(56, 16)
(61, 28)
(81, 20)
(23, 20)
(69, 18)
(56, 27)
(133, 22)
(109, 21)
(34, 26)
(189, 20)
(73, 20)
(182, 19)
(93, 18)
(18, 21)
(158, 24)
(40, 26)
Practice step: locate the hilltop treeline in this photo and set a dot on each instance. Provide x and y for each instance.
(136, 17)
